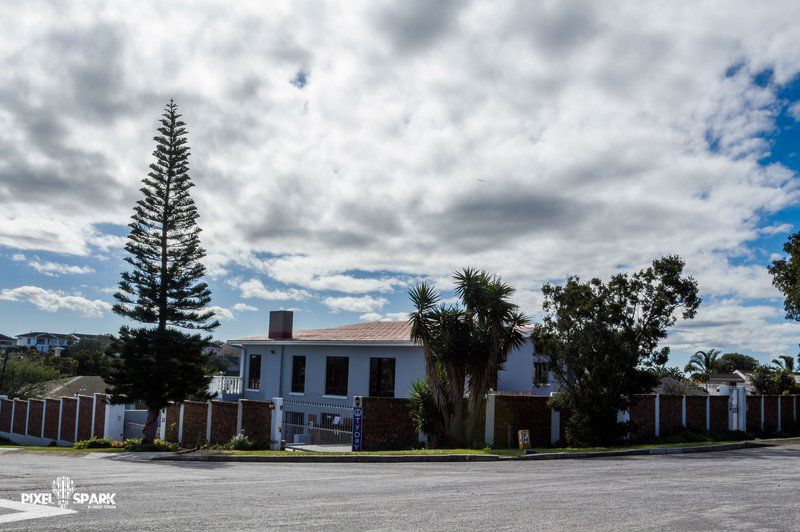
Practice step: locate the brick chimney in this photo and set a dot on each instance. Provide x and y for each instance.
(280, 324)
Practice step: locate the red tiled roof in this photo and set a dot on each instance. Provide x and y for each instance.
(373, 331)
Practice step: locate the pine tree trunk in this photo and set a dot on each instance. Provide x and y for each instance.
(150, 427)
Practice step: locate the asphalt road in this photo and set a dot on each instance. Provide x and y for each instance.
(747, 489)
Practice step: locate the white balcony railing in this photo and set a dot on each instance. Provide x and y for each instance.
(225, 385)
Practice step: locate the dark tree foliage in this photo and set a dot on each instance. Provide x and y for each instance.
(773, 381)
(164, 287)
(786, 276)
(730, 362)
(603, 342)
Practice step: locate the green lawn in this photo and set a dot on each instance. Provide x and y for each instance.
(60, 449)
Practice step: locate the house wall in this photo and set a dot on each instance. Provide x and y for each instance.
(696, 413)
(85, 407)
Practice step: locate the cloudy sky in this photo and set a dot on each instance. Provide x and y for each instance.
(344, 150)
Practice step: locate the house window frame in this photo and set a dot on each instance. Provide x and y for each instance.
(376, 370)
(537, 377)
(250, 358)
(302, 387)
(329, 390)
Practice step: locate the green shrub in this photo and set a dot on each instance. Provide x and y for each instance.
(241, 442)
(94, 443)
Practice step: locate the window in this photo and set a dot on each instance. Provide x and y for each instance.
(298, 374)
(254, 373)
(540, 374)
(336, 373)
(381, 377)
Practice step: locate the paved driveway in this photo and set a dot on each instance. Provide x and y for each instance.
(747, 489)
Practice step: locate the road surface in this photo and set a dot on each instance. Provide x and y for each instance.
(747, 489)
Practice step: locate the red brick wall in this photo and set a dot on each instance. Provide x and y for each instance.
(173, 420)
(513, 413)
(68, 412)
(670, 412)
(696, 413)
(20, 409)
(85, 417)
(753, 414)
(719, 413)
(51, 420)
(194, 422)
(36, 407)
(257, 420)
(643, 415)
(100, 414)
(223, 421)
(5, 415)
(787, 422)
(387, 424)
(770, 413)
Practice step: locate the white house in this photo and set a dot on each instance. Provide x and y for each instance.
(317, 372)
(45, 341)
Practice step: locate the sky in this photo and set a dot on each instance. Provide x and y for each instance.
(343, 151)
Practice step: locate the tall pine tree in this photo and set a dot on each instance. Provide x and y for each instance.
(164, 290)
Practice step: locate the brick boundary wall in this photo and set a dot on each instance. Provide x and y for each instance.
(770, 413)
(100, 414)
(670, 412)
(788, 423)
(753, 403)
(68, 412)
(387, 424)
(5, 414)
(257, 420)
(85, 406)
(173, 413)
(20, 411)
(195, 416)
(696, 413)
(224, 417)
(521, 412)
(36, 407)
(642, 413)
(718, 410)
(51, 419)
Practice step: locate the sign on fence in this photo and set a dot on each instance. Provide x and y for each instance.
(524, 437)
(358, 418)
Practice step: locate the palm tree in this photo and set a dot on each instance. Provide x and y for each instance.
(785, 362)
(702, 364)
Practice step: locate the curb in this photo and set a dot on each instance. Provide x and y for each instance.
(322, 459)
(644, 452)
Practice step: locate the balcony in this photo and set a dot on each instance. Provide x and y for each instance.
(225, 388)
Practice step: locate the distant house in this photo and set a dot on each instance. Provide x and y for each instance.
(45, 341)
(6, 342)
(719, 383)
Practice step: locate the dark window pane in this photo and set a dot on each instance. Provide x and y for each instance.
(336, 375)
(381, 377)
(254, 373)
(298, 374)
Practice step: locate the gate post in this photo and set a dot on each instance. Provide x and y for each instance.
(488, 434)
(276, 426)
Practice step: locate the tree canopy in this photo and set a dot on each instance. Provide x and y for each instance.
(602, 339)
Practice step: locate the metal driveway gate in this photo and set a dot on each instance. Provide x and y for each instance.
(317, 423)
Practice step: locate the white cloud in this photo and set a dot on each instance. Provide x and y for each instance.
(427, 137)
(18, 257)
(54, 269)
(389, 316)
(53, 301)
(370, 316)
(244, 307)
(253, 288)
(363, 304)
(221, 313)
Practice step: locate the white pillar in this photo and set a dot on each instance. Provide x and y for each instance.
(27, 416)
(657, 424)
(13, 410)
(162, 426)
(762, 413)
(708, 413)
(180, 425)
(742, 391)
(77, 417)
(94, 412)
(779, 413)
(60, 413)
(44, 416)
(683, 411)
(208, 423)
(488, 434)
(555, 426)
(276, 427)
(239, 417)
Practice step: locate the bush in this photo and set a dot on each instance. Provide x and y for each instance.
(424, 414)
(135, 445)
(94, 443)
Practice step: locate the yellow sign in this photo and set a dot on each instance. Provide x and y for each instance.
(524, 437)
